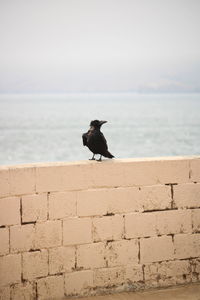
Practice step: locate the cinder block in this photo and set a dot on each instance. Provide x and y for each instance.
(91, 256)
(5, 293)
(77, 231)
(10, 269)
(4, 241)
(22, 238)
(173, 221)
(133, 273)
(77, 283)
(50, 288)
(62, 205)
(187, 195)
(34, 208)
(63, 177)
(140, 225)
(187, 245)
(156, 197)
(9, 211)
(123, 200)
(166, 269)
(195, 170)
(24, 291)
(61, 260)
(35, 264)
(22, 180)
(48, 234)
(122, 253)
(4, 182)
(108, 228)
(156, 249)
(92, 202)
(196, 220)
(108, 277)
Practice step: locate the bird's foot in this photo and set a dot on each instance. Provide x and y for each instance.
(92, 158)
(99, 159)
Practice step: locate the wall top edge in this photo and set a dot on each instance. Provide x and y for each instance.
(106, 161)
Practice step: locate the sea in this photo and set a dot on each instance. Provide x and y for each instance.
(49, 127)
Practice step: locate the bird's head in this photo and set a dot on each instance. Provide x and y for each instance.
(97, 123)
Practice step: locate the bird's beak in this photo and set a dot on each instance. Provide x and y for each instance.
(102, 122)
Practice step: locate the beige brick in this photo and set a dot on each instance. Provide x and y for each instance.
(156, 249)
(4, 182)
(35, 264)
(77, 283)
(10, 269)
(22, 180)
(187, 195)
(4, 241)
(62, 205)
(196, 220)
(108, 228)
(134, 273)
(92, 203)
(5, 293)
(22, 237)
(187, 245)
(50, 288)
(174, 221)
(25, 291)
(91, 256)
(155, 197)
(61, 259)
(48, 234)
(123, 200)
(167, 269)
(77, 231)
(9, 211)
(122, 253)
(34, 208)
(108, 277)
(140, 225)
(63, 177)
(195, 170)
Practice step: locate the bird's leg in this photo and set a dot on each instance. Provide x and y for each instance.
(92, 157)
(100, 158)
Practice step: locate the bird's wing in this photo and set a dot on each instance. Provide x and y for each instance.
(84, 137)
(105, 145)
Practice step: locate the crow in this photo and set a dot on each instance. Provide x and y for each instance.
(95, 140)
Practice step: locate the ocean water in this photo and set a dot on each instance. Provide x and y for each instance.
(43, 128)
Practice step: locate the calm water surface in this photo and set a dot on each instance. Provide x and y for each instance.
(41, 128)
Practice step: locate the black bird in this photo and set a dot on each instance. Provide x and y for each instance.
(95, 140)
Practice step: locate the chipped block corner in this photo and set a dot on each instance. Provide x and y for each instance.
(87, 228)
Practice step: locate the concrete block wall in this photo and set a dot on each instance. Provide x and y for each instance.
(85, 228)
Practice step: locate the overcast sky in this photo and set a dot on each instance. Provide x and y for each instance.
(99, 45)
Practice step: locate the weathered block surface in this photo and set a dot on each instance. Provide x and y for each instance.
(61, 260)
(4, 241)
(108, 228)
(187, 195)
(22, 238)
(50, 288)
(62, 205)
(156, 249)
(75, 229)
(34, 208)
(35, 264)
(9, 211)
(10, 269)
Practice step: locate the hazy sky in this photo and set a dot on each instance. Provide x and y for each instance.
(99, 45)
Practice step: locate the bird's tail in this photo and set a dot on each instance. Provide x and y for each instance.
(109, 155)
